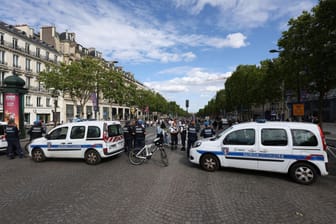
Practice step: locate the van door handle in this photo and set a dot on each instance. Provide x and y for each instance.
(63, 143)
(263, 150)
(251, 150)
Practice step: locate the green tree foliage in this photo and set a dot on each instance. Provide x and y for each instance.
(309, 51)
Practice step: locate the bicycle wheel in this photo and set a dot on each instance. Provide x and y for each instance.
(164, 157)
(132, 156)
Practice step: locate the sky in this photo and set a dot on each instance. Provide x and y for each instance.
(183, 49)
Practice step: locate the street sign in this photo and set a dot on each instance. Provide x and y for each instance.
(298, 109)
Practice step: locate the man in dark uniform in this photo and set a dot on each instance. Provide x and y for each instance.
(192, 136)
(36, 130)
(207, 132)
(13, 140)
(128, 136)
(139, 136)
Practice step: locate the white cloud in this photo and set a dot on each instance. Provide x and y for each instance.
(117, 32)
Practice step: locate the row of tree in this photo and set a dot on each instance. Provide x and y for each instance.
(87, 76)
(306, 62)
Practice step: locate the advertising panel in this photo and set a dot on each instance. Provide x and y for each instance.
(11, 107)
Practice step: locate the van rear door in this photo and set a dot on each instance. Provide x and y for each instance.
(114, 138)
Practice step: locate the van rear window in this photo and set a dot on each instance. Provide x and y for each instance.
(303, 138)
(114, 130)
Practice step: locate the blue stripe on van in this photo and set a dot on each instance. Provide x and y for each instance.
(263, 156)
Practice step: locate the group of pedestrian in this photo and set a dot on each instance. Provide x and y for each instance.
(134, 135)
(185, 130)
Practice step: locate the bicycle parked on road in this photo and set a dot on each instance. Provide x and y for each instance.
(139, 156)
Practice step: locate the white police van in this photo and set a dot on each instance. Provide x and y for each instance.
(89, 140)
(298, 149)
(3, 141)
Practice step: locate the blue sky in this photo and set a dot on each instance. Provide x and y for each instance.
(184, 49)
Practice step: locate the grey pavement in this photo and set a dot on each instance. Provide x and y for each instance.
(329, 129)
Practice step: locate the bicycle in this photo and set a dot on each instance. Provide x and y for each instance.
(139, 156)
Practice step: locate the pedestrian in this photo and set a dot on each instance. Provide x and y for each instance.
(174, 135)
(160, 132)
(13, 140)
(128, 131)
(139, 136)
(192, 136)
(207, 132)
(36, 131)
(183, 133)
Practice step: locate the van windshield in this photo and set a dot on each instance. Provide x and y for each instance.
(221, 134)
(114, 130)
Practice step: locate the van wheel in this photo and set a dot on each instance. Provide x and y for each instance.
(92, 157)
(303, 173)
(38, 155)
(209, 162)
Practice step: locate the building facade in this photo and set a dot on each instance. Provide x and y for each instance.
(26, 54)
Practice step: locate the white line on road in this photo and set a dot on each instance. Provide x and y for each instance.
(331, 152)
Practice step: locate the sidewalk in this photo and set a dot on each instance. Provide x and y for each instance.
(329, 130)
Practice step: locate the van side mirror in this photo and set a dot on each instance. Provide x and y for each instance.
(47, 136)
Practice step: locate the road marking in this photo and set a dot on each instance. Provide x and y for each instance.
(329, 148)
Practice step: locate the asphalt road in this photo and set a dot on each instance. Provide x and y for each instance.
(70, 191)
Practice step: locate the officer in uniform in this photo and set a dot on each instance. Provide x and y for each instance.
(36, 131)
(13, 140)
(139, 136)
(128, 136)
(183, 133)
(207, 132)
(192, 136)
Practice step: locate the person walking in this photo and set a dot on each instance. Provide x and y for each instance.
(36, 131)
(13, 140)
(192, 136)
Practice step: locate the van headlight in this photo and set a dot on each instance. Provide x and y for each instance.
(197, 144)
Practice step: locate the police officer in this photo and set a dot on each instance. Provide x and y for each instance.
(36, 130)
(192, 136)
(128, 136)
(139, 135)
(173, 135)
(13, 140)
(207, 132)
(183, 133)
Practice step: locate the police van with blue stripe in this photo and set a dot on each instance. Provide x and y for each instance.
(296, 148)
(89, 140)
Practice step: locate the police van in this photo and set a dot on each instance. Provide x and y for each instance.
(298, 149)
(3, 141)
(89, 140)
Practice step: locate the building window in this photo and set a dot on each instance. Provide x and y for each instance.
(55, 57)
(2, 78)
(28, 101)
(38, 52)
(27, 48)
(38, 101)
(15, 60)
(2, 39)
(48, 102)
(27, 82)
(38, 67)
(28, 65)
(15, 43)
(2, 57)
(47, 55)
